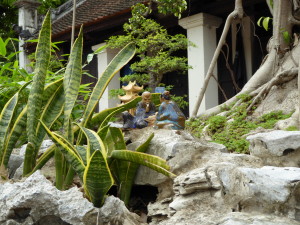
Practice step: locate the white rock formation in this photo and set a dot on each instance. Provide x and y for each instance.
(37, 201)
(274, 143)
(214, 187)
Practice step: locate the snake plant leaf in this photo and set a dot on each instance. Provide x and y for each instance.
(115, 141)
(69, 177)
(126, 172)
(35, 98)
(50, 89)
(29, 161)
(94, 142)
(98, 118)
(6, 121)
(103, 132)
(108, 118)
(16, 131)
(121, 59)
(59, 168)
(97, 178)
(154, 162)
(52, 110)
(48, 154)
(68, 150)
(118, 138)
(72, 78)
(82, 152)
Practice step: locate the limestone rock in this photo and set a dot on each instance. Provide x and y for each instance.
(37, 201)
(238, 218)
(195, 180)
(280, 98)
(272, 189)
(179, 148)
(48, 169)
(274, 143)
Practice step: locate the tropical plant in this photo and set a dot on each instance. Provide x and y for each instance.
(100, 166)
(105, 152)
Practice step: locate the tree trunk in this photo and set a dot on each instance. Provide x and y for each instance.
(278, 47)
(236, 14)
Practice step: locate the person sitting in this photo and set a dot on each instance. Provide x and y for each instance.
(169, 115)
(144, 109)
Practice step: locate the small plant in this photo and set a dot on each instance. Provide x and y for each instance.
(216, 123)
(268, 120)
(292, 128)
(231, 134)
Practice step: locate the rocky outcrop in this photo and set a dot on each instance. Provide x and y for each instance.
(37, 201)
(216, 187)
(274, 143)
(212, 187)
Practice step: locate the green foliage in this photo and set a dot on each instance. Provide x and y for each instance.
(286, 37)
(216, 123)
(46, 5)
(268, 120)
(264, 22)
(231, 132)
(244, 97)
(292, 128)
(156, 49)
(93, 156)
(8, 17)
(167, 7)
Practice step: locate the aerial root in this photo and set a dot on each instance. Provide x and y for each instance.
(282, 77)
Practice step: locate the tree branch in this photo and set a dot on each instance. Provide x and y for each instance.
(236, 14)
(280, 78)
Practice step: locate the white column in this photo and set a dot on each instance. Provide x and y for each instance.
(103, 59)
(27, 19)
(201, 30)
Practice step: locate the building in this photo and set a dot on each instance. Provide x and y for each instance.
(202, 23)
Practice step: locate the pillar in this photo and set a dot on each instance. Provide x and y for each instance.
(27, 19)
(103, 59)
(201, 30)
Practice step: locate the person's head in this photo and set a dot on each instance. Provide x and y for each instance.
(146, 97)
(165, 95)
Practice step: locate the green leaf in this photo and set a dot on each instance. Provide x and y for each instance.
(121, 59)
(2, 47)
(16, 131)
(29, 161)
(52, 110)
(286, 37)
(103, 132)
(72, 78)
(125, 172)
(48, 154)
(59, 168)
(82, 152)
(36, 92)
(108, 118)
(154, 162)
(70, 153)
(6, 121)
(266, 23)
(97, 179)
(94, 142)
(50, 89)
(259, 21)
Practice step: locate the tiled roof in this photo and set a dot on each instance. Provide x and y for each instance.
(89, 12)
